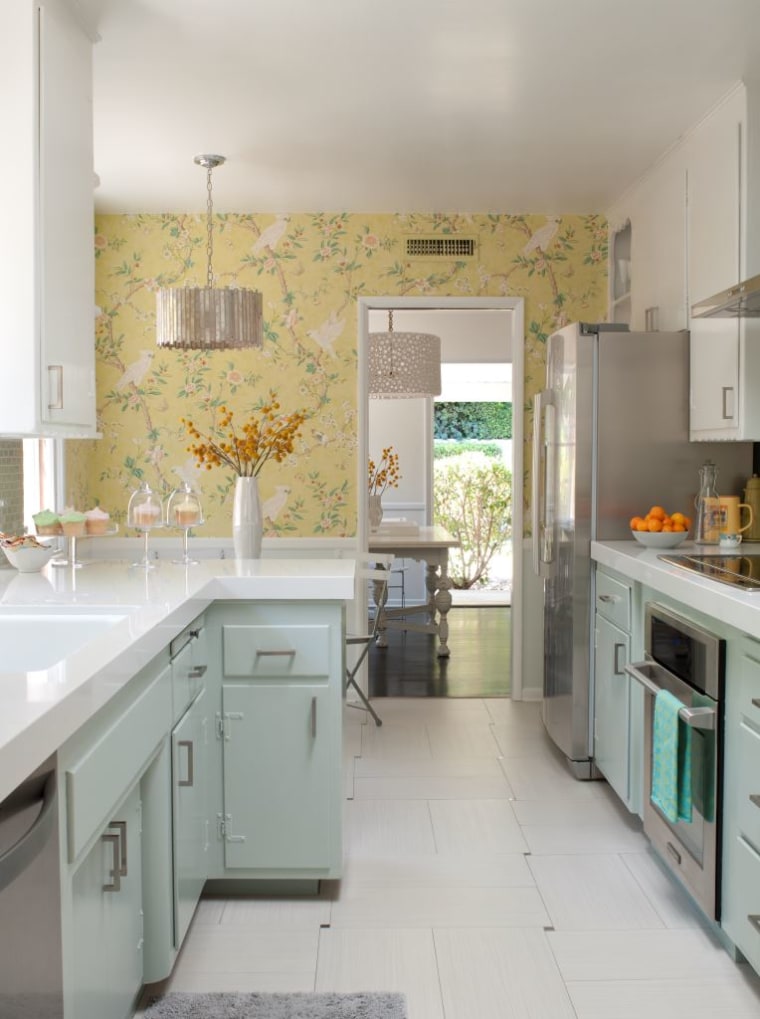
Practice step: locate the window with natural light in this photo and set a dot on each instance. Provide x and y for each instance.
(43, 459)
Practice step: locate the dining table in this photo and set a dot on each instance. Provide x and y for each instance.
(430, 545)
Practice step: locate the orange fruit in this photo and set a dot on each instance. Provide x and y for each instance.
(679, 527)
(677, 518)
(657, 512)
(667, 526)
(634, 522)
(642, 525)
(654, 524)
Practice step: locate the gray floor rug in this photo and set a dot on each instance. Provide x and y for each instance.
(367, 1005)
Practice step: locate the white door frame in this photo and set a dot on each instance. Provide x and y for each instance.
(515, 305)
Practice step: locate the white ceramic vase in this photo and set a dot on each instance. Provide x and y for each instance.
(375, 512)
(247, 520)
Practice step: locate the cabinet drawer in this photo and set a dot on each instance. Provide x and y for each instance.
(747, 693)
(272, 651)
(189, 666)
(613, 600)
(98, 779)
(748, 783)
(744, 901)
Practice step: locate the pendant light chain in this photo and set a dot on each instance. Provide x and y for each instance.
(390, 334)
(210, 233)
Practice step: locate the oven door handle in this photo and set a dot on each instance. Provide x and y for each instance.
(697, 718)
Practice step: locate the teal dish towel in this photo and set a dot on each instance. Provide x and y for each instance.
(671, 759)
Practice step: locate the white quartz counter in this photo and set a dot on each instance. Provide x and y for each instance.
(40, 709)
(737, 608)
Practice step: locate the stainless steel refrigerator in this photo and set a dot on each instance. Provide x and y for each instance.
(610, 440)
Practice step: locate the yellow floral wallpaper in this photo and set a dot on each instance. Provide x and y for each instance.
(310, 268)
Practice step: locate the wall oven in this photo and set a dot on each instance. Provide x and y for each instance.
(689, 662)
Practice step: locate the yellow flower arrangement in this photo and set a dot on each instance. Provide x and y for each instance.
(271, 437)
(385, 474)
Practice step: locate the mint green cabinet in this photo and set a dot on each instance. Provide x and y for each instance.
(190, 817)
(740, 915)
(279, 729)
(618, 704)
(105, 769)
(106, 930)
(277, 789)
(612, 706)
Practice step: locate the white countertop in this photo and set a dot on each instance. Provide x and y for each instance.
(734, 607)
(40, 710)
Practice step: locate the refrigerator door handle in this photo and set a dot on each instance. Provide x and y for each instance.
(538, 474)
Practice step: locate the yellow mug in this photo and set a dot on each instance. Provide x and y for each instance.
(730, 514)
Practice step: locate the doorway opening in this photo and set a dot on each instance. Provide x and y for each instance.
(472, 480)
(496, 337)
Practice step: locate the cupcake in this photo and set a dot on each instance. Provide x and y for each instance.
(96, 521)
(47, 522)
(72, 522)
(146, 514)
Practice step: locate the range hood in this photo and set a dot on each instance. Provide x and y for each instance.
(741, 301)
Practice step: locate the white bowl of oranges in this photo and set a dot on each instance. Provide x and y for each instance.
(659, 529)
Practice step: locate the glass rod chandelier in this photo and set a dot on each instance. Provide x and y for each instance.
(404, 365)
(208, 318)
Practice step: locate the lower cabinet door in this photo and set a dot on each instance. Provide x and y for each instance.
(190, 812)
(277, 780)
(612, 706)
(107, 920)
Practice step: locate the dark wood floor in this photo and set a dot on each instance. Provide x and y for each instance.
(480, 640)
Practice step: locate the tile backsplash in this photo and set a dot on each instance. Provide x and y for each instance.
(11, 486)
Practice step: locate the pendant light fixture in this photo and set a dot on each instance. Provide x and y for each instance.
(208, 318)
(404, 365)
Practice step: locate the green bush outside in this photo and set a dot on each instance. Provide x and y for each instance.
(454, 447)
(473, 502)
(491, 420)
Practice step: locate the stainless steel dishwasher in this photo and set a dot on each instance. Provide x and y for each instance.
(31, 977)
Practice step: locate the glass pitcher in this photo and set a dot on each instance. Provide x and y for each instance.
(707, 504)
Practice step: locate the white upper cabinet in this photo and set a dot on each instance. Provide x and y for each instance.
(694, 218)
(725, 364)
(655, 211)
(713, 240)
(47, 280)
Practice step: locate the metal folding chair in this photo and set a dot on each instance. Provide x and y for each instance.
(379, 577)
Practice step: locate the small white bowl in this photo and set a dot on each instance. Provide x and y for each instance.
(660, 539)
(29, 560)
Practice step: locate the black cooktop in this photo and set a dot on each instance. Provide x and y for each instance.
(739, 571)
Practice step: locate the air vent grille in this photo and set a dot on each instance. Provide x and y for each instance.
(440, 247)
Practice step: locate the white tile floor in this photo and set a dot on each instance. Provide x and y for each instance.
(484, 882)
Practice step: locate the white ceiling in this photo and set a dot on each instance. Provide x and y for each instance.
(402, 105)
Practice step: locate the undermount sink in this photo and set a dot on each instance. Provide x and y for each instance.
(31, 641)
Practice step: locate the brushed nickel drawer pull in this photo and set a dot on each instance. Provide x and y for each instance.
(271, 654)
(756, 702)
(314, 717)
(197, 671)
(755, 798)
(754, 919)
(674, 853)
(726, 390)
(188, 743)
(115, 885)
(616, 660)
(55, 374)
(608, 598)
(121, 827)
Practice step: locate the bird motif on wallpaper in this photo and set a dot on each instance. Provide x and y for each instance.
(274, 505)
(270, 237)
(542, 237)
(135, 372)
(328, 332)
(189, 472)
